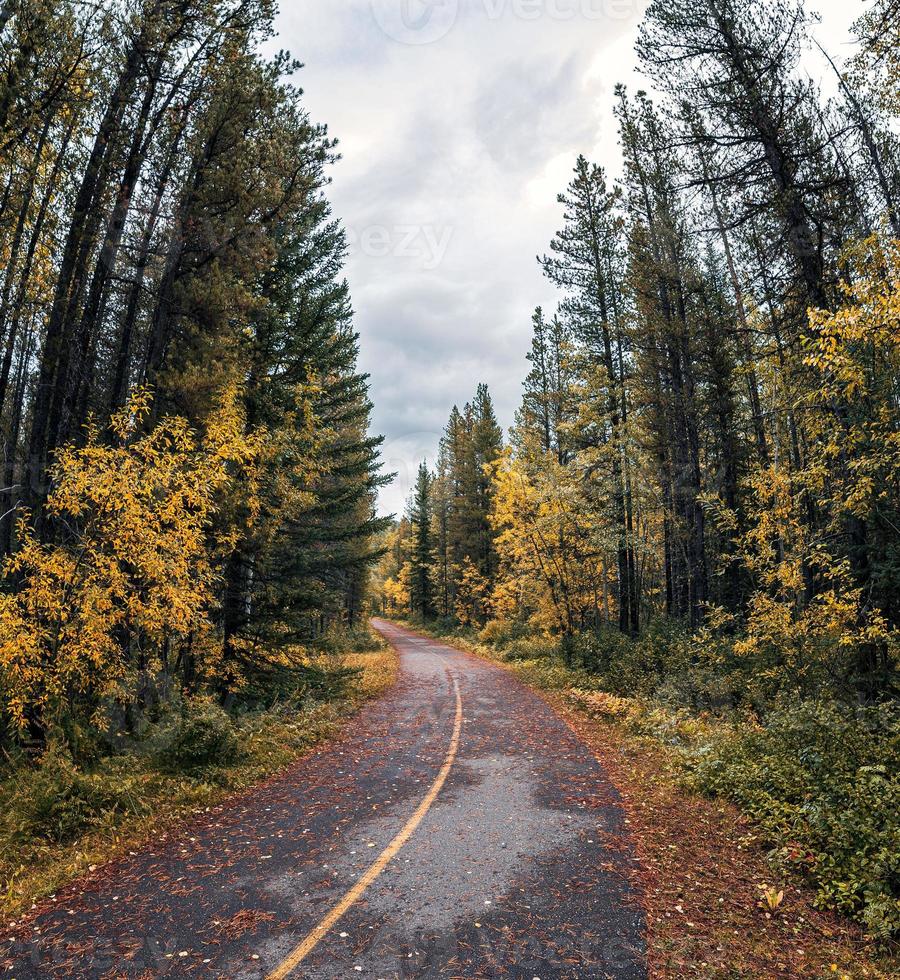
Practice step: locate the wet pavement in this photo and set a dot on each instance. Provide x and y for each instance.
(518, 869)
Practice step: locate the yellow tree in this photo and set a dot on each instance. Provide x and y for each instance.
(825, 599)
(854, 464)
(788, 637)
(389, 585)
(551, 549)
(472, 595)
(396, 593)
(132, 579)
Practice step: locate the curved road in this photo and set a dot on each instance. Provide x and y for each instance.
(459, 829)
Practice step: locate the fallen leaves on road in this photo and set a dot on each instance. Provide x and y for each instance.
(247, 920)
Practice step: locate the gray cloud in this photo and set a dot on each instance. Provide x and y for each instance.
(474, 133)
(528, 108)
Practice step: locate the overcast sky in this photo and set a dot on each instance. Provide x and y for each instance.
(459, 121)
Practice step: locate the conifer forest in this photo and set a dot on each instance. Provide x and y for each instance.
(666, 585)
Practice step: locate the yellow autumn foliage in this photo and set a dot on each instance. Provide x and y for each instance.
(551, 553)
(787, 630)
(395, 591)
(473, 591)
(809, 611)
(856, 352)
(133, 567)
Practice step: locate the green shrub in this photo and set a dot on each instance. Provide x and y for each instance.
(294, 685)
(501, 632)
(658, 664)
(204, 737)
(822, 780)
(342, 639)
(445, 625)
(532, 648)
(57, 802)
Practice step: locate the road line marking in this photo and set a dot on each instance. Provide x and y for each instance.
(301, 951)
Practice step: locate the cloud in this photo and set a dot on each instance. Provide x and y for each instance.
(453, 153)
(527, 109)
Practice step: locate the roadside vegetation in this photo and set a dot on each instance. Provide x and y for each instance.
(187, 512)
(693, 527)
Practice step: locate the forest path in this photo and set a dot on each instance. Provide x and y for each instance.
(459, 829)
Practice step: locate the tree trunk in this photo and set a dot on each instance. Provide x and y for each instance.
(86, 218)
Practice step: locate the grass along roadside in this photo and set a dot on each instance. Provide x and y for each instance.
(58, 820)
(717, 904)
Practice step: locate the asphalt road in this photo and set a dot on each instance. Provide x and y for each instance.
(458, 830)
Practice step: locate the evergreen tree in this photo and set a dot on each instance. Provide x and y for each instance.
(485, 447)
(442, 505)
(588, 263)
(472, 442)
(664, 277)
(547, 402)
(170, 257)
(421, 591)
(734, 65)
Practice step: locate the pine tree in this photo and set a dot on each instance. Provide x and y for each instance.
(547, 403)
(421, 592)
(168, 243)
(734, 66)
(472, 442)
(588, 263)
(442, 506)
(663, 275)
(485, 448)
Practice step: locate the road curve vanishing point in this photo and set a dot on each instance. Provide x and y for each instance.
(459, 829)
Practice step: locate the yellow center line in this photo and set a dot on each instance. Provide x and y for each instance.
(303, 949)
